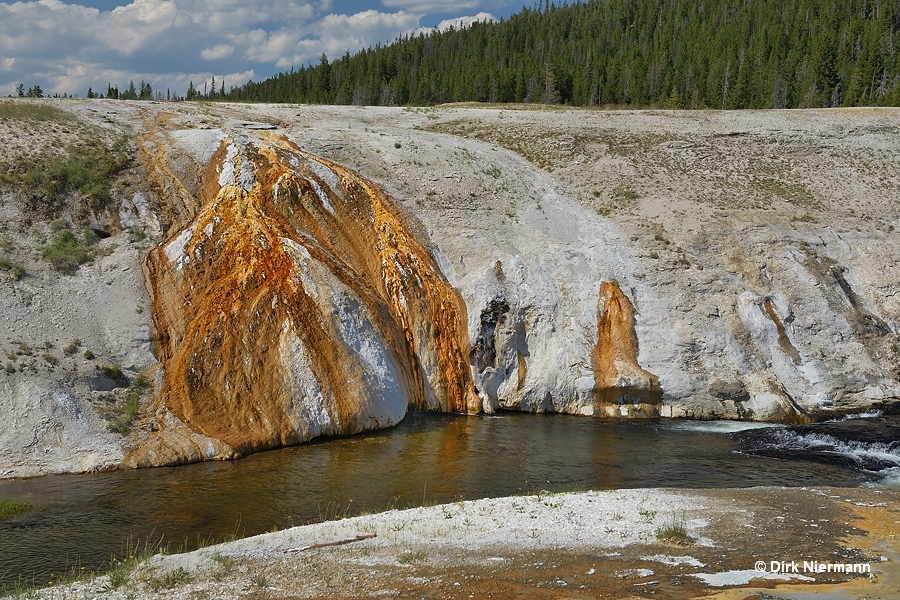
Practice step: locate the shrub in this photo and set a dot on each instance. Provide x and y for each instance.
(114, 372)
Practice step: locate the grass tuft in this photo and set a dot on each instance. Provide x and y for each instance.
(674, 533)
(133, 554)
(170, 580)
(410, 556)
(66, 252)
(11, 508)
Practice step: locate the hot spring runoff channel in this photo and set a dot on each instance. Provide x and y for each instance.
(85, 520)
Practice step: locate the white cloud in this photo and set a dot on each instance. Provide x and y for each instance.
(336, 34)
(432, 6)
(463, 22)
(217, 52)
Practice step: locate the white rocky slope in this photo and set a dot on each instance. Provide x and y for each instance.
(757, 249)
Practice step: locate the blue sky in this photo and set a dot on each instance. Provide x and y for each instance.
(66, 47)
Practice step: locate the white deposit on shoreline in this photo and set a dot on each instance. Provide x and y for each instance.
(429, 548)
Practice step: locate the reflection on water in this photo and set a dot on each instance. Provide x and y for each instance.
(428, 458)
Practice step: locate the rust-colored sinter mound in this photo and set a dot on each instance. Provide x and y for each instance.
(296, 304)
(622, 387)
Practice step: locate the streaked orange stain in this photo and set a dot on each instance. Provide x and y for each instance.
(219, 318)
(622, 386)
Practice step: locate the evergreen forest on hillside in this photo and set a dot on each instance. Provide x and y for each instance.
(669, 53)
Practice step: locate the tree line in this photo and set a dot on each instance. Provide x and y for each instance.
(674, 54)
(144, 92)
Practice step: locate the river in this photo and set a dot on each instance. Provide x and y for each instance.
(84, 520)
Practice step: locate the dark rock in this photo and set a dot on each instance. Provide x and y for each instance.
(728, 390)
(99, 382)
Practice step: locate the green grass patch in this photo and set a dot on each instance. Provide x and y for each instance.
(674, 533)
(77, 158)
(66, 251)
(11, 508)
(121, 414)
(411, 556)
(38, 111)
(133, 554)
(170, 580)
(114, 372)
(17, 270)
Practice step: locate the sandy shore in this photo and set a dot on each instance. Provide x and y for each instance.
(575, 545)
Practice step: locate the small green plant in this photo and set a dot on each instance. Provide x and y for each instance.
(49, 358)
(72, 347)
(648, 515)
(674, 533)
(11, 508)
(127, 413)
(121, 413)
(57, 225)
(17, 270)
(114, 372)
(494, 171)
(134, 553)
(88, 355)
(411, 556)
(170, 580)
(65, 252)
(398, 145)
(625, 193)
(223, 559)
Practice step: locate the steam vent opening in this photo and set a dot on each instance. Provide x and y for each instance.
(622, 387)
(296, 304)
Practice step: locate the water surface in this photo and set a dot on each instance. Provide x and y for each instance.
(85, 519)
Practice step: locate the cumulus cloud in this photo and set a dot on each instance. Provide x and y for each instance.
(433, 6)
(217, 52)
(66, 47)
(462, 22)
(336, 34)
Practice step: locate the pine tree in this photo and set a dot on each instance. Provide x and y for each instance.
(718, 53)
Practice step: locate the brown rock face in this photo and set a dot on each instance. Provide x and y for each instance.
(296, 304)
(622, 387)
